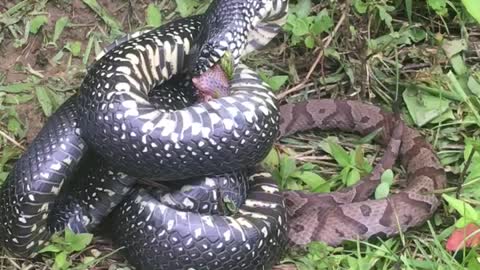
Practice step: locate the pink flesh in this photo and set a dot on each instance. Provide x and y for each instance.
(212, 84)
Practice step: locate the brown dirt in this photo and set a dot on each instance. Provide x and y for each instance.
(36, 55)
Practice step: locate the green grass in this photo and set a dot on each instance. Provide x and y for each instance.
(425, 53)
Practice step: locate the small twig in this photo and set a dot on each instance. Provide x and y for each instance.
(12, 140)
(461, 179)
(315, 64)
(14, 263)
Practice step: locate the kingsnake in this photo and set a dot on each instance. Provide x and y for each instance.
(135, 117)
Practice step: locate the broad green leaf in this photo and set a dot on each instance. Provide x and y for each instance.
(459, 65)
(287, 167)
(51, 248)
(37, 22)
(462, 222)
(59, 26)
(7, 154)
(154, 17)
(453, 47)
(359, 160)
(423, 108)
(61, 261)
(14, 126)
(440, 6)
(309, 42)
(353, 177)
(300, 27)
(272, 160)
(472, 6)
(78, 242)
(339, 154)
(302, 8)
(44, 100)
(227, 65)
(312, 179)
(322, 23)
(382, 190)
(275, 82)
(16, 87)
(387, 177)
(88, 260)
(74, 47)
(3, 176)
(18, 99)
(463, 208)
(387, 18)
(186, 7)
(360, 6)
(474, 86)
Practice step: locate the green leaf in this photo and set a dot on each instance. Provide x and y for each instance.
(322, 23)
(186, 7)
(310, 42)
(462, 222)
(454, 47)
(453, 50)
(44, 100)
(408, 8)
(300, 27)
(463, 208)
(382, 190)
(474, 86)
(360, 162)
(352, 178)
(272, 160)
(16, 87)
(78, 242)
(339, 154)
(302, 8)
(387, 177)
(287, 167)
(424, 108)
(387, 18)
(14, 126)
(37, 23)
(154, 17)
(440, 6)
(275, 82)
(472, 7)
(360, 6)
(59, 27)
(88, 260)
(74, 47)
(18, 99)
(50, 248)
(227, 65)
(61, 261)
(312, 179)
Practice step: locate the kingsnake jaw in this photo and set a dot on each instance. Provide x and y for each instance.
(238, 26)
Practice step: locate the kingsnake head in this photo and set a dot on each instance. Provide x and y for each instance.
(232, 25)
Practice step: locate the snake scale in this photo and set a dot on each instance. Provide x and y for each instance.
(136, 117)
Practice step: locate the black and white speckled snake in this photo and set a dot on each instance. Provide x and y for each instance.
(135, 117)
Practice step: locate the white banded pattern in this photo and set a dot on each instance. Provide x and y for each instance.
(252, 238)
